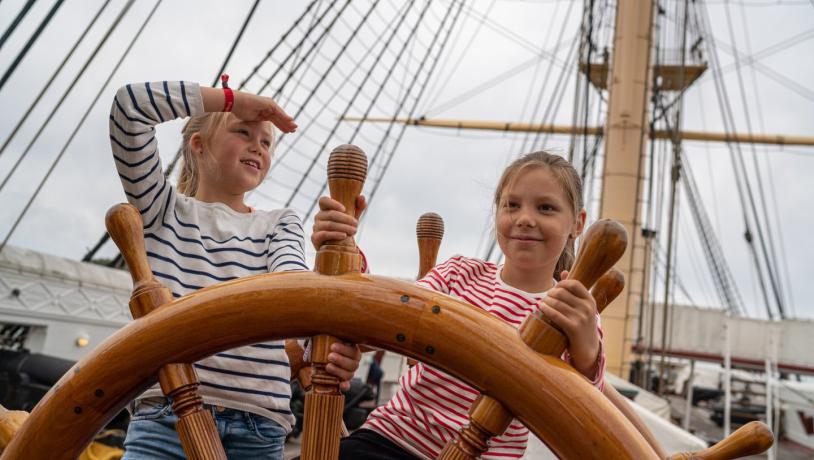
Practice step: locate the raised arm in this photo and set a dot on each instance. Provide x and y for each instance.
(136, 109)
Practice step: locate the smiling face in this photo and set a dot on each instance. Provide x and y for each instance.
(534, 220)
(236, 158)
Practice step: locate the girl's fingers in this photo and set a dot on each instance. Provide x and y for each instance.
(274, 113)
(348, 350)
(334, 217)
(327, 203)
(338, 372)
(554, 315)
(566, 298)
(334, 226)
(320, 238)
(576, 288)
(561, 307)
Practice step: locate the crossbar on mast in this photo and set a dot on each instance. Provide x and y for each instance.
(772, 139)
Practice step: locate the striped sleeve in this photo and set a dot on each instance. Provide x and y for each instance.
(136, 109)
(442, 276)
(597, 378)
(287, 244)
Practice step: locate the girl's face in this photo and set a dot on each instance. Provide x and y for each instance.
(238, 157)
(534, 220)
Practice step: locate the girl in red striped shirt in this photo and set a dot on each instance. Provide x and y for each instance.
(539, 213)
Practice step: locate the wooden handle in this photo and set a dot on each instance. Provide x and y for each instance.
(347, 170)
(123, 222)
(609, 286)
(196, 428)
(324, 403)
(429, 231)
(300, 370)
(602, 246)
(750, 439)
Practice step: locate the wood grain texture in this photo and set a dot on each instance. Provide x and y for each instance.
(347, 169)
(179, 382)
(751, 439)
(429, 231)
(552, 399)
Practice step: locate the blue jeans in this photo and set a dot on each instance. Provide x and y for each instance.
(151, 434)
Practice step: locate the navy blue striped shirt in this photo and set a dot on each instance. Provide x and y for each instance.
(191, 244)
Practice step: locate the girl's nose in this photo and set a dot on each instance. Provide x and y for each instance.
(256, 146)
(524, 219)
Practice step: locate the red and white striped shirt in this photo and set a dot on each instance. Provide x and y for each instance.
(431, 406)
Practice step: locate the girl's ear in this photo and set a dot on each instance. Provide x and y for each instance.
(196, 143)
(579, 225)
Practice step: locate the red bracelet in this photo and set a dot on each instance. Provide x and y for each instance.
(229, 96)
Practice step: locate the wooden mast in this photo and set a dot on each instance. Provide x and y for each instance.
(626, 135)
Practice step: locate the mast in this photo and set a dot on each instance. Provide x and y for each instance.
(626, 135)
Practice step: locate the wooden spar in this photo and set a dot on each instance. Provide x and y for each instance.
(484, 125)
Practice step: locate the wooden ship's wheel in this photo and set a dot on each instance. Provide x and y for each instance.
(518, 372)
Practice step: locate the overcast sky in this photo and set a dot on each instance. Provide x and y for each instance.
(451, 172)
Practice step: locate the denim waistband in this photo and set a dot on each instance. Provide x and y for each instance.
(217, 411)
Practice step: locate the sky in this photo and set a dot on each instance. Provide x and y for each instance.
(451, 172)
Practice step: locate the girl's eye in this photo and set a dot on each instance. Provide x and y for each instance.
(545, 207)
(266, 144)
(245, 132)
(511, 204)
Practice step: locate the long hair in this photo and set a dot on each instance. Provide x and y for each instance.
(207, 125)
(568, 179)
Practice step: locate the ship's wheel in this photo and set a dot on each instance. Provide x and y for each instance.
(553, 400)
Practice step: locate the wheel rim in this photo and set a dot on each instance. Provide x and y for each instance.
(555, 402)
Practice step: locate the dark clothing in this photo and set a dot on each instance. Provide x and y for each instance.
(368, 445)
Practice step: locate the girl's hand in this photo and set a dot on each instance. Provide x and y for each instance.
(572, 307)
(332, 224)
(251, 107)
(343, 360)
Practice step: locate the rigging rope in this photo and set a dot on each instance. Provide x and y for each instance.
(350, 103)
(375, 98)
(285, 36)
(84, 117)
(390, 156)
(308, 53)
(770, 257)
(30, 42)
(722, 275)
(784, 259)
(436, 92)
(79, 74)
(235, 42)
(735, 155)
(547, 76)
(53, 77)
(16, 22)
